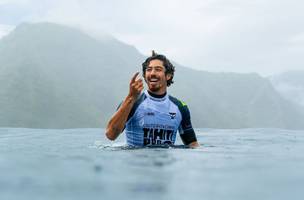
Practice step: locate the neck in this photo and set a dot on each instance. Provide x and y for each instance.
(157, 95)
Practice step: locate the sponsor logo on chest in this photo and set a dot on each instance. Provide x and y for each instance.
(150, 113)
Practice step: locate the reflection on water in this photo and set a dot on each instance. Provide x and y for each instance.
(81, 163)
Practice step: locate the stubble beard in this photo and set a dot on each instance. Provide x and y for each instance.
(155, 88)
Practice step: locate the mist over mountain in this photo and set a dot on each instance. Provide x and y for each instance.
(290, 85)
(53, 76)
(58, 77)
(231, 100)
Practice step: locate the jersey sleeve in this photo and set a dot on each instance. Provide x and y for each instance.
(140, 99)
(186, 130)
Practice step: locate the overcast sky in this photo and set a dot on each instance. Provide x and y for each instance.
(263, 36)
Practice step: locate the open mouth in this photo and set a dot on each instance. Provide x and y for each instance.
(153, 80)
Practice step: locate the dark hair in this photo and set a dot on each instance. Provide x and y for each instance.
(170, 69)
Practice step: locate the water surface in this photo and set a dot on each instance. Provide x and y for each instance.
(81, 163)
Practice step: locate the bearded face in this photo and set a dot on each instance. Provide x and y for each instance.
(156, 77)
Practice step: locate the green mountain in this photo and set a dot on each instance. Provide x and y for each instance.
(53, 76)
(231, 100)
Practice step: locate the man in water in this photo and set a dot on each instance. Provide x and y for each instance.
(152, 117)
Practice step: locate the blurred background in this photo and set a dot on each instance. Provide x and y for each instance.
(67, 64)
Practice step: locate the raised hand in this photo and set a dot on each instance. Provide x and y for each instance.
(136, 86)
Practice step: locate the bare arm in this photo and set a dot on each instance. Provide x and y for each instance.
(117, 122)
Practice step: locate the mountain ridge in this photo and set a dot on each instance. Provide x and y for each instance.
(53, 76)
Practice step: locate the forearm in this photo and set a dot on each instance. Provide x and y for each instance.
(117, 122)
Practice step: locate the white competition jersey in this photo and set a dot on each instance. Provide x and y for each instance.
(155, 121)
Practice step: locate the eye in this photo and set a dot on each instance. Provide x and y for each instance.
(156, 69)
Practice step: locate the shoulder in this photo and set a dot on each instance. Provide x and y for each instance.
(139, 100)
(182, 106)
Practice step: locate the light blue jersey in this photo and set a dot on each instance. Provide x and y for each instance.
(155, 121)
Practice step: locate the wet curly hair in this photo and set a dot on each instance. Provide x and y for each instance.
(170, 69)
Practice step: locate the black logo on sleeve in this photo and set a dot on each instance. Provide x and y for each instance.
(172, 115)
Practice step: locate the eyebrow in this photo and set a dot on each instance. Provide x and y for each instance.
(157, 66)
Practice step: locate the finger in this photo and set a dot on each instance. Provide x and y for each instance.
(139, 81)
(133, 85)
(141, 88)
(134, 77)
(137, 85)
(141, 84)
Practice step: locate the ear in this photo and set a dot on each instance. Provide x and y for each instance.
(168, 76)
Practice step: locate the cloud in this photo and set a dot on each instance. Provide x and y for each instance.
(5, 29)
(215, 35)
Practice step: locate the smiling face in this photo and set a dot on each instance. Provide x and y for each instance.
(156, 77)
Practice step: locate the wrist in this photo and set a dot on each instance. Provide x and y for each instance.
(130, 99)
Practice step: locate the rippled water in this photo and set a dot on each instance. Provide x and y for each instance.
(81, 163)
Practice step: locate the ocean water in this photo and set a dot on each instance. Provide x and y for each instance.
(82, 164)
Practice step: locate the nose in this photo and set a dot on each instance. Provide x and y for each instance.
(153, 71)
